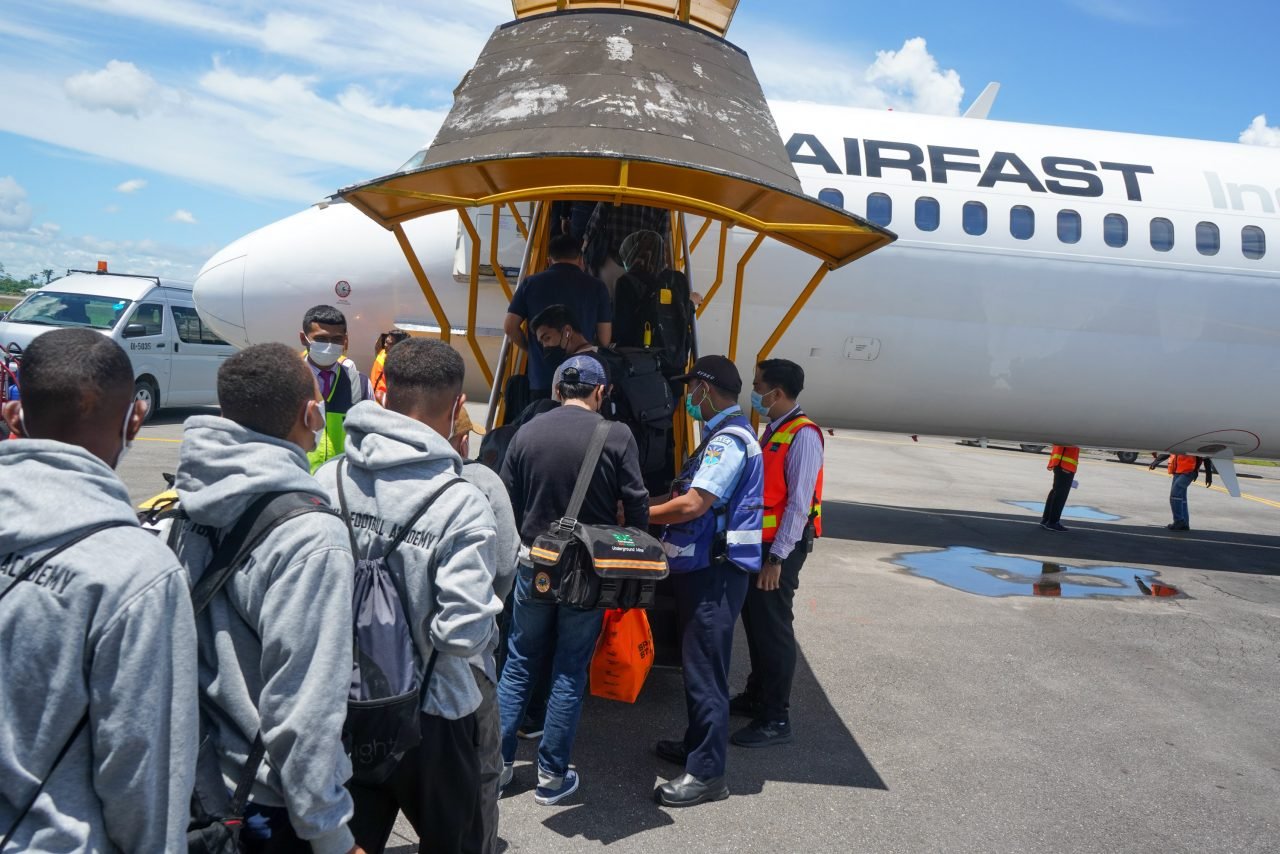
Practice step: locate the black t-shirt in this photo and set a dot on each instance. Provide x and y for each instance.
(542, 464)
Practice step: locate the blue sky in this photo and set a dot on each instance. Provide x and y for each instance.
(153, 132)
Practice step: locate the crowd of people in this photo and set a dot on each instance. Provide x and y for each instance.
(331, 539)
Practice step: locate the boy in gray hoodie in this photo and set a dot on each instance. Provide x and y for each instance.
(395, 460)
(103, 629)
(275, 643)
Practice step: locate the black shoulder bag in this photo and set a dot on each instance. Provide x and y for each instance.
(595, 566)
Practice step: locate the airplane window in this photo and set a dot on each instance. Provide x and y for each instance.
(927, 213)
(831, 196)
(1069, 226)
(975, 218)
(1115, 230)
(1207, 238)
(1161, 234)
(880, 209)
(1253, 241)
(1022, 222)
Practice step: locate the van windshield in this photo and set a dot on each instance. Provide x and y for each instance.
(53, 308)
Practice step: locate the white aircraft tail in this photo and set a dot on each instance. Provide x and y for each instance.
(981, 106)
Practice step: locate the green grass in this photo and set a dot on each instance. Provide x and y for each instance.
(1245, 462)
(8, 301)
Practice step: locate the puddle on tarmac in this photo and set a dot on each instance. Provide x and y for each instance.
(985, 573)
(1072, 511)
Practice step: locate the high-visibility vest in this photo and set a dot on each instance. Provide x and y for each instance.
(378, 376)
(345, 392)
(775, 479)
(1067, 456)
(1182, 464)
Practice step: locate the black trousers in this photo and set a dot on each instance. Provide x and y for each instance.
(708, 602)
(769, 620)
(1057, 500)
(437, 784)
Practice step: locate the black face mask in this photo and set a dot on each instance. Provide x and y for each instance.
(555, 356)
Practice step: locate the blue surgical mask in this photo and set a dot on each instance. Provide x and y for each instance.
(758, 404)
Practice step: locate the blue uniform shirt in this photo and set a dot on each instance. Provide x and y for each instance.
(721, 468)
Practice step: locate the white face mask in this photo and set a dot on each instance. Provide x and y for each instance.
(453, 421)
(323, 353)
(125, 444)
(323, 424)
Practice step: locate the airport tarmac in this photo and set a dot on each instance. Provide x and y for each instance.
(928, 718)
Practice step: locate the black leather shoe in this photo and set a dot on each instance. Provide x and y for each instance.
(688, 791)
(672, 751)
(1179, 526)
(762, 734)
(744, 706)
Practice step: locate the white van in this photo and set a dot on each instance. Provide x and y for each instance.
(175, 356)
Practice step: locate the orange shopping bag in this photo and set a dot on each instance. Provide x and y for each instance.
(623, 656)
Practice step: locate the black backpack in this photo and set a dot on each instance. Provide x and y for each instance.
(641, 398)
(388, 681)
(655, 314)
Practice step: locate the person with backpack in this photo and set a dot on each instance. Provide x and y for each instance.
(97, 692)
(275, 640)
(540, 471)
(426, 544)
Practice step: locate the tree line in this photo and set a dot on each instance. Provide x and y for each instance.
(11, 285)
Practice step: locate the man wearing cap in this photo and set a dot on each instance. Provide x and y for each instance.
(713, 540)
(540, 470)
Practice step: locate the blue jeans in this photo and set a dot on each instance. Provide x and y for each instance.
(1178, 498)
(568, 636)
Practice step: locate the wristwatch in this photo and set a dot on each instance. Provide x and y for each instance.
(773, 558)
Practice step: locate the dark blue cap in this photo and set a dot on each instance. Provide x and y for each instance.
(584, 369)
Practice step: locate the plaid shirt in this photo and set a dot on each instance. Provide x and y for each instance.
(620, 221)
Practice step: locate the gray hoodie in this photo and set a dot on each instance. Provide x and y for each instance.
(275, 643)
(394, 464)
(105, 625)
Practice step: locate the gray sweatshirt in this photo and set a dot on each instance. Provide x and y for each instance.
(275, 643)
(394, 463)
(105, 625)
(487, 481)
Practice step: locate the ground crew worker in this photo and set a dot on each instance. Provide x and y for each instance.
(324, 334)
(1184, 469)
(792, 454)
(377, 374)
(1063, 462)
(713, 546)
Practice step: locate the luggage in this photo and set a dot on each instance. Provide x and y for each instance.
(624, 656)
(595, 566)
(387, 684)
(655, 314)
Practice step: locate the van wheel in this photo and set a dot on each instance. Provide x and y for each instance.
(1127, 457)
(1032, 449)
(145, 390)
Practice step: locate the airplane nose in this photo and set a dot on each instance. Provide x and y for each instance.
(219, 295)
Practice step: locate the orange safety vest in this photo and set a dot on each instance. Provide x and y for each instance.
(1067, 456)
(775, 479)
(1182, 464)
(378, 376)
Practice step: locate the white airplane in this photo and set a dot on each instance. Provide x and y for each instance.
(1050, 284)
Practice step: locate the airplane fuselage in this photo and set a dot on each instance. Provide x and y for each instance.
(1049, 284)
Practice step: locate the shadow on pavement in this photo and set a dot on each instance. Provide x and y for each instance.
(613, 754)
(1006, 533)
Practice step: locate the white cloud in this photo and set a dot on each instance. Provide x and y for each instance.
(183, 216)
(907, 79)
(133, 185)
(911, 77)
(121, 87)
(46, 247)
(15, 210)
(1260, 133)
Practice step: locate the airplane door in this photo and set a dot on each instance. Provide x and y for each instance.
(198, 353)
(146, 340)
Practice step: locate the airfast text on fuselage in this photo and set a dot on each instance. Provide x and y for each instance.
(1064, 176)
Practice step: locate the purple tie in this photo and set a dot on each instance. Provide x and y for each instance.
(326, 381)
